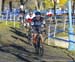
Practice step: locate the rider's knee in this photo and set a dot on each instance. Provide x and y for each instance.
(41, 35)
(34, 34)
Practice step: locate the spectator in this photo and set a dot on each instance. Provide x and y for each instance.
(49, 13)
(22, 14)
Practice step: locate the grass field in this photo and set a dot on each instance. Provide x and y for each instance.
(5, 29)
(6, 32)
(10, 36)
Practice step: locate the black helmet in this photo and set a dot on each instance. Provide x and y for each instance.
(37, 13)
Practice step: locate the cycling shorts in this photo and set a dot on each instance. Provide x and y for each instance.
(39, 30)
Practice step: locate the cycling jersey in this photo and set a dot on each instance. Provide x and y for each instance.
(29, 18)
(49, 14)
(37, 24)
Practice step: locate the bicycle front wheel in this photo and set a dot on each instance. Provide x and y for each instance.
(41, 51)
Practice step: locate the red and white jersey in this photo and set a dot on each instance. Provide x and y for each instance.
(29, 18)
(49, 13)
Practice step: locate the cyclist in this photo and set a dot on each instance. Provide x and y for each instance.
(28, 20)
(37, 25)
(29, 17)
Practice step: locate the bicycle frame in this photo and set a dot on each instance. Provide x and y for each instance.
(39, 48)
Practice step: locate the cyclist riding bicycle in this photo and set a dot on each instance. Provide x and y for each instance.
(29, 18)
(37, 27)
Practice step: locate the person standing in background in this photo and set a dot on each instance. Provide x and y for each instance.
(22, 14)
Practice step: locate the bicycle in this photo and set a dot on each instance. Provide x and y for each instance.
(39, 49)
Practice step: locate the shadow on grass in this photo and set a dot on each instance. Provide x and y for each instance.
(70, 56)
(26, 42)
(1, 22)
(20, 50)
(60, 39)
(18, 32)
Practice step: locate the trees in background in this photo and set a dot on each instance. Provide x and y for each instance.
(50, 3)
(38, 4)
